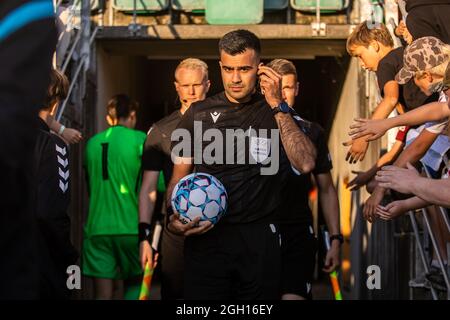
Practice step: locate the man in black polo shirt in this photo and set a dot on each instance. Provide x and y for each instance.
(191, 84)
(240, 257)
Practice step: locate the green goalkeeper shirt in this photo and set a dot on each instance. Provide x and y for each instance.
(113, 162)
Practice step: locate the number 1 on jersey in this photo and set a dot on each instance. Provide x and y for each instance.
(105, 161)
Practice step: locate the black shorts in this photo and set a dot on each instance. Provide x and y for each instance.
(298, 252)
(429, 21)
(172, 266)
(234, 261)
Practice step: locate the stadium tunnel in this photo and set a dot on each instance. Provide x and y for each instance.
(139, 60)
(145, 71)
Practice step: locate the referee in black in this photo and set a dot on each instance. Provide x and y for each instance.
(240, 257)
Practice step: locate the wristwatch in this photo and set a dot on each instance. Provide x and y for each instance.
(282, 107)
(338, 237)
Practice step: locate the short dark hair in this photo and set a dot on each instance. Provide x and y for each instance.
(57, 89)
(120, 106)
(237, 41)
(283, 67)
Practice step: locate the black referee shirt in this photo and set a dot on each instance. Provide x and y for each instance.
(156, 155)
(251, 195)
(295, 201)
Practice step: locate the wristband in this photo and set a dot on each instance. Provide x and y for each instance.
(61, 130)
(145, 232)
(338, 237)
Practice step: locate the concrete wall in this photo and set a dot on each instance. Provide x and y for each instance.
(358, 97)
(115, 74)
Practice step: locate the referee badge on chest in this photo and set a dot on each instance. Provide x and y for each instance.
(259, 148)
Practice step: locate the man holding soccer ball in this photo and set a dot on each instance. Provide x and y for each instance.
(240, 257)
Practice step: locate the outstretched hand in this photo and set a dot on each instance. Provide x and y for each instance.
(398, 179)
(361, 179)
(392, 210)
(357, 151)
(370, 129)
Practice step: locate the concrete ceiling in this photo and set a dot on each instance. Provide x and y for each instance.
(178, 42)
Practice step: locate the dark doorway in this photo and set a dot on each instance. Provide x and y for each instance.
(321, 82)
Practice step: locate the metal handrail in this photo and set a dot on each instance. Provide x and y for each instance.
(78, 37)
(71, 51)
(434, 243)
(441, 209)
(436, 249)
(75, 77)
(421, 250)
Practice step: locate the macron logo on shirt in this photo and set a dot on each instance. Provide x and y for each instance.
(215, 116)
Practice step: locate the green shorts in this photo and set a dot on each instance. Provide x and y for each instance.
(111, 257)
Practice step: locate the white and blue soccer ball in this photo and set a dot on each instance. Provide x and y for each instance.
(200, 195)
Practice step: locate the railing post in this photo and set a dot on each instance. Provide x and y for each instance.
(436, 250)
(442, 210)
(75, 78)
(421, 251)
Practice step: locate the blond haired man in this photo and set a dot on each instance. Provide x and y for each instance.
(192, 84)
